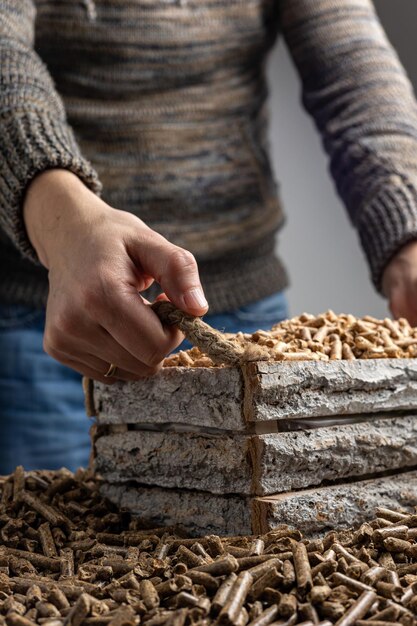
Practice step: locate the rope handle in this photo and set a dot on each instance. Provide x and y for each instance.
(210, 341)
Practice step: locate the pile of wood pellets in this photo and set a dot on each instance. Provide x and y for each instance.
(69, 558)
(324, 337)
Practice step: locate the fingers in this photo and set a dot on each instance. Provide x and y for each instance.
(95, 348)
(100, 318)
(82, 368)
(403, 302)
(399, 283)
(174, 268)
(93, 367)
(401, 290)
(95, 314)
(80, 338)
(135, 327)
(397, 302)
(128, 367)
(102, 367)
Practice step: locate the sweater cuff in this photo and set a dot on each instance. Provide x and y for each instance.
(31, 143)
(387, 223)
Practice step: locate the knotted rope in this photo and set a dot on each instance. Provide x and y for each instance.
(210, 341)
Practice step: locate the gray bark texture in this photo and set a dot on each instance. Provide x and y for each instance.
(210, 397)
(194, 478)
(313, 511)
(275, 391)
(300, 459)
(260, 465)
(197, 512)
(318, 510)
(217, 464)
(213, 397)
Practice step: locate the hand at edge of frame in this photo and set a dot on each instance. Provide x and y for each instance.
(99, 258)
(399, 283)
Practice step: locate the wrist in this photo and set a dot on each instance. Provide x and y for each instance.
(56, 203)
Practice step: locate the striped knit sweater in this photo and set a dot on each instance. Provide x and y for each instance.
(164, 102)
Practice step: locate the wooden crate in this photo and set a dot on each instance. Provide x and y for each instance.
(238, 450)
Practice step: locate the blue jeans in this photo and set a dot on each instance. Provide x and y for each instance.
(43, 424)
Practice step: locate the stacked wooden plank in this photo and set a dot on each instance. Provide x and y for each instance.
(235, 450)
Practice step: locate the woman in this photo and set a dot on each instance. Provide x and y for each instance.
(164, 103)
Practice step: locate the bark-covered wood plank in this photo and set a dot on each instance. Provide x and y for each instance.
(260, 465)
(213, 397)
(298, 389)
(202, 396)
(313, 511)
(336, 506)
(299, 459)
(196, 511)
(218, 464)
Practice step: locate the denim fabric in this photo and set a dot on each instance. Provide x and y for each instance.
(42, 417)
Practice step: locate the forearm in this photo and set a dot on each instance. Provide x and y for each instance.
(363, 104)
(34, 132)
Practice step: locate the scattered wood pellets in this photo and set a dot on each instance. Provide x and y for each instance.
(324, 337)
(70, 558)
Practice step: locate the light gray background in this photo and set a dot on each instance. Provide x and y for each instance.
(321, 250)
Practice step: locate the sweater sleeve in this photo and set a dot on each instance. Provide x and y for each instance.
(363, 104)
(34, 134)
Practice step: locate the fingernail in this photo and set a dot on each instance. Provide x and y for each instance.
(195, 299)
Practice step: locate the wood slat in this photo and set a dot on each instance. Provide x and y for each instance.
(312, 511)
(214, 397)
(275, 391)
(259, 464)
(196, 396)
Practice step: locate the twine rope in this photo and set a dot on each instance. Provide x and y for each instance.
(215, 344)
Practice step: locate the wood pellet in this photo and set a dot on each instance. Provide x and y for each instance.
(325, 337)
(99, 566)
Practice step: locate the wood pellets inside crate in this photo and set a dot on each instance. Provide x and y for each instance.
(324, 337)
(68, 557)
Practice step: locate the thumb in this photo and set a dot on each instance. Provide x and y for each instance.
(174, 268)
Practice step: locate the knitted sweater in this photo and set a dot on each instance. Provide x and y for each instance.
(164, 102)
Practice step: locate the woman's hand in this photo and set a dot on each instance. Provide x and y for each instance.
(399, 283)
(99, 258)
